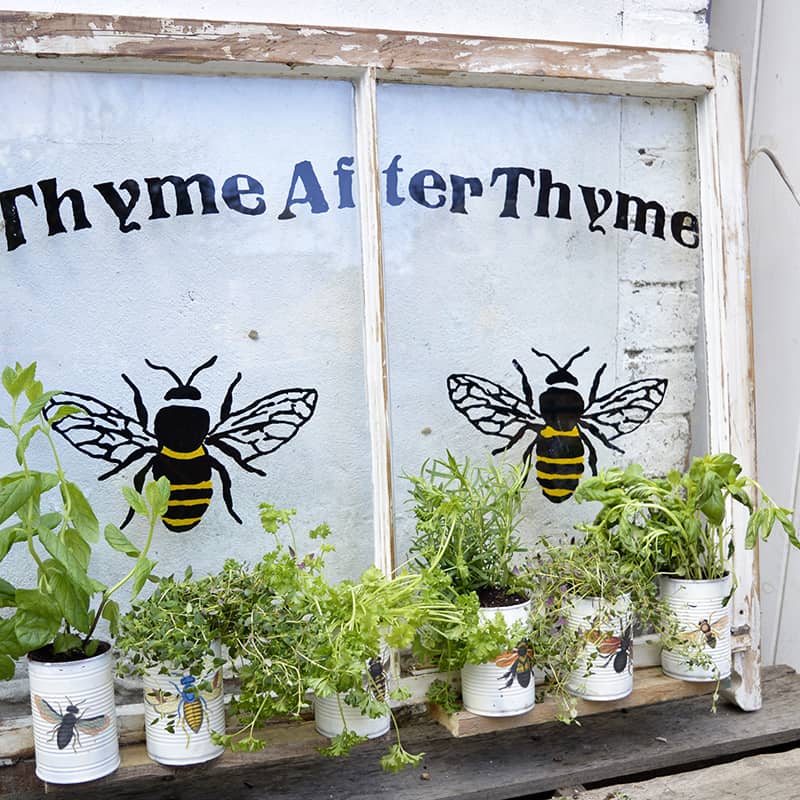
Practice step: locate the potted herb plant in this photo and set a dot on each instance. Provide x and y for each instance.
(50, 521)
(173, 641)
(585, 590)
(293, 634)
(679, 527)
(466, 529)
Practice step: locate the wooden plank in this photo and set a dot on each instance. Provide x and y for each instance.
(650, 686)
(193, 45)
(605, 748)
(773, 775)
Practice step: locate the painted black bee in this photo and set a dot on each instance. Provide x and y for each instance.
(68, 726)
(619, 649)
(178, 446)
(519, 661)
(561, 424)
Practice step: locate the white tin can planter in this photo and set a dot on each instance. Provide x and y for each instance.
(74, 718)
(503, 687)
(605, 670)
(180, 716)
(332, 714)
(698, 605)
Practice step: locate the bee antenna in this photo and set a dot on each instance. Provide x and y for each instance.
(576, 357)
(165, 369)
(208, 363)
(548, 357)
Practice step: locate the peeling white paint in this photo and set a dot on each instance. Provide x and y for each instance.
(421, 39)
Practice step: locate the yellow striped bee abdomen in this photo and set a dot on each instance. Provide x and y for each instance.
(180, 431)
(559, 462)
(193, 713)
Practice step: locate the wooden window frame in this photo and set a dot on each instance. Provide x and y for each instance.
(367, 57)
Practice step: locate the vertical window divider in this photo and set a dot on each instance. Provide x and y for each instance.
(377, 381)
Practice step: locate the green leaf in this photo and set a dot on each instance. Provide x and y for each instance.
(6, 667)
(71, 564)
(37, 620)
(14, 495)
(34, 389)
(7, 594)
(120, 542)
(157, 494)
(711, 501)
(47, 481)
(73, 601)
(24, 441)
(111, 613)
(397, 758)
(9, 537)
(80, 551)
(18, 380)
(64, 411)
(35, 408)
(135, 500)
(9, 644)
(144, 566)
(754, 525)
(82, 515)
(783, 515)
(64, 642)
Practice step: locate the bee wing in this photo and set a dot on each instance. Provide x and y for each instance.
(609, 645)
(627, 407)
(216, 687)
(102, 431)
(491, 408)
(93, 725)
(46, 711)
(720, 622)
(265, 425)
(696, 633)
(163, 702)
(506, 659)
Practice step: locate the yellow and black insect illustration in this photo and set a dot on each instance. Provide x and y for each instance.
(519, 661)
(619, 649)
(187, 707)
(708, 631)
(377, 678)
(180, 442)
(563, 422)
(69, 724)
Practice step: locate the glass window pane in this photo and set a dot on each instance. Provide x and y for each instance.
(518, 221)
(173, 219)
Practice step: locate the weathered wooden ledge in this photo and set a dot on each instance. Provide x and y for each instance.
(610, 747)
(650, 686)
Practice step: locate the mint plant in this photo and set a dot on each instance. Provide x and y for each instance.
(51, 520)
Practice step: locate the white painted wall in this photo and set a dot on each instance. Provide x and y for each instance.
(679, 24)
(764, 34)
